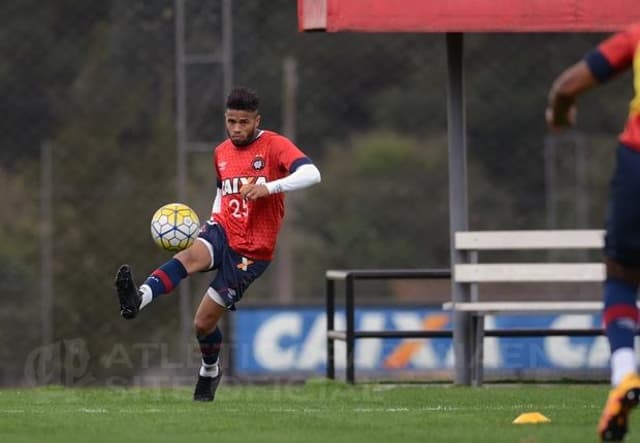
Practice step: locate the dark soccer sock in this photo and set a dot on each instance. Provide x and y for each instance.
(620, 313)
(210, 346)
(166, 277)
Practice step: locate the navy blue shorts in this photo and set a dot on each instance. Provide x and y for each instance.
(622, 241)
(235, 272)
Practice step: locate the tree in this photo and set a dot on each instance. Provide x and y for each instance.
(42, 45)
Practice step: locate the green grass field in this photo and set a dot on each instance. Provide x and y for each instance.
(318, 411)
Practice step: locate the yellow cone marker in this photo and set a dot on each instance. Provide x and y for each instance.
(530, 418)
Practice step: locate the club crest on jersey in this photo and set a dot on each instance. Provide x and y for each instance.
(233, 185)
(258, 163)
(245, 264)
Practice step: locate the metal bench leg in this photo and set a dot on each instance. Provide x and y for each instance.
(350, 339)
(330, 311)
(477, 355)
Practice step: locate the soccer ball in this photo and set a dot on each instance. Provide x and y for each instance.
(174, 226)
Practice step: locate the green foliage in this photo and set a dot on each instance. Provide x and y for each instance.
(114, 164)
(43, 46)
(384, 183)
(20, 297)
(21, 304)
(19, 226)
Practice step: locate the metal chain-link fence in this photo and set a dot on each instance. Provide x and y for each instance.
(88, 152)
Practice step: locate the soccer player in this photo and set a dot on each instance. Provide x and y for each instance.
(254, 168)
(617, 53)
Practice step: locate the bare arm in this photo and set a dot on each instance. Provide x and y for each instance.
(576, 79)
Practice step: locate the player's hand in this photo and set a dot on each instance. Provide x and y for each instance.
(252, 192)
(558, 122)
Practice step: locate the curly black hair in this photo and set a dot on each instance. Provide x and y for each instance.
(243, 99)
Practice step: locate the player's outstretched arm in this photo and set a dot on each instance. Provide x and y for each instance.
(561, 109)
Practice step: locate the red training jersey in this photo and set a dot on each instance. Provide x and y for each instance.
(252, 226)
(614, 55)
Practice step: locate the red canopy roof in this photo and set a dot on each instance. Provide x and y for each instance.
(467, 15)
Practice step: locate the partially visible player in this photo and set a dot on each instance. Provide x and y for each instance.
(617, 53)
(254, 168)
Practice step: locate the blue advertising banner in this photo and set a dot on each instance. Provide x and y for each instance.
(277, 340)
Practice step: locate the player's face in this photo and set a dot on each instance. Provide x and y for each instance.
(241, 126)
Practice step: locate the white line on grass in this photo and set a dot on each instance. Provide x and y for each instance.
(398, 409)
(424, 409)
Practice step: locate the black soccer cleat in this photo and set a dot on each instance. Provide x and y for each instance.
(128, 293)
(206, 387)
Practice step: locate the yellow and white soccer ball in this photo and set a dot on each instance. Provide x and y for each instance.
(174, 226)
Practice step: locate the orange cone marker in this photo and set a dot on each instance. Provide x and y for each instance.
(530, 418)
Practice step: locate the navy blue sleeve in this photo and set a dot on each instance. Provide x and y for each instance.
(299, 162)
(599, 65)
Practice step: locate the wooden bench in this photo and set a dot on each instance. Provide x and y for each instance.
(468, 272)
